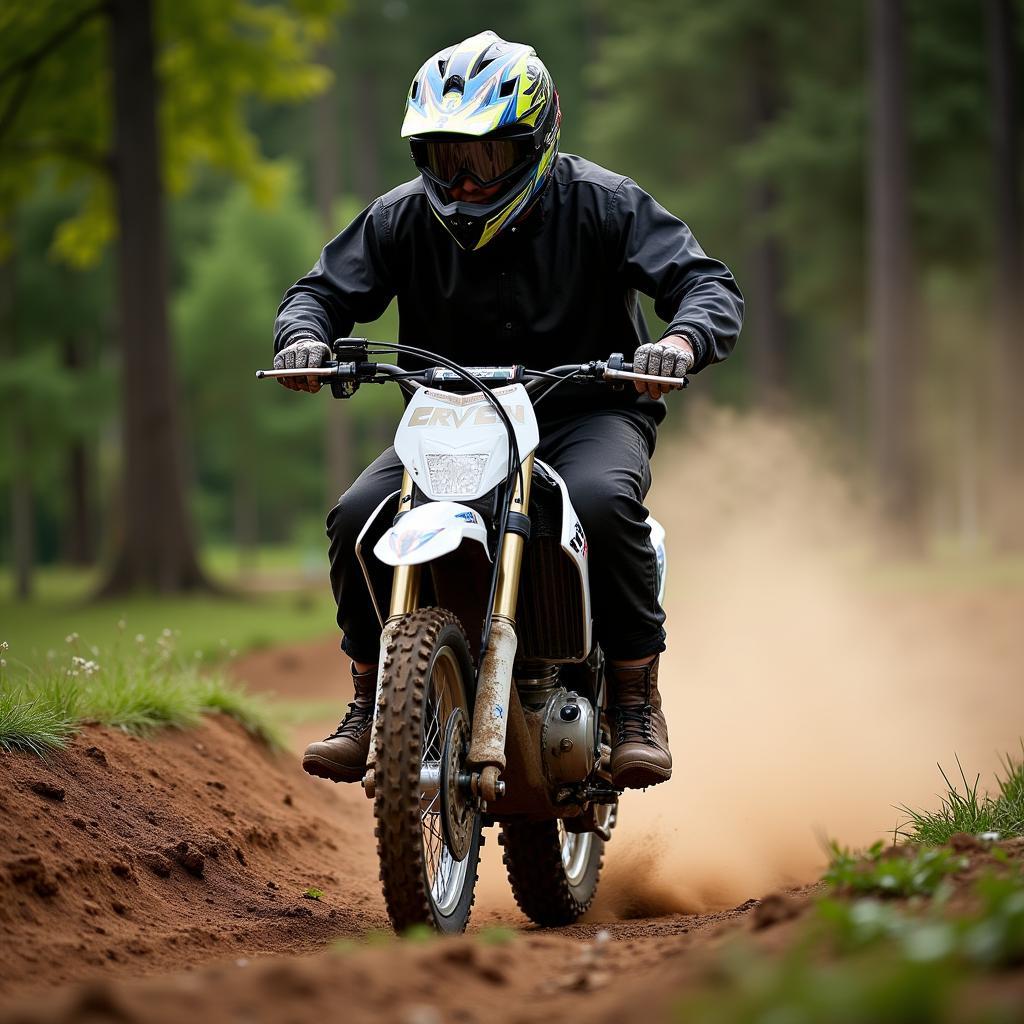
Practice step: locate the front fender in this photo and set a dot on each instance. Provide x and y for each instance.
(425, 533)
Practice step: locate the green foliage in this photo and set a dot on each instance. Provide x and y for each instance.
(135, 686)
(213, 60)
(892, 871)
(967, 811)
(871, 961)
(313, 894)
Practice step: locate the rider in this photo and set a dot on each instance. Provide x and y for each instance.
(504, 251)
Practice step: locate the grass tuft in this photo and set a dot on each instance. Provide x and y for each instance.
(968, 811)
(139, 689)
(32, 722)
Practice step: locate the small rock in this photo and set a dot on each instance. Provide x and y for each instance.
(96, 754)
(48, 790)
(189, 857)
(963, 842)
(773, 910)
(97, 999)
(122, 869)
(157, 863)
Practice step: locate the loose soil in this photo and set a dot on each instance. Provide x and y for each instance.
(149, 879)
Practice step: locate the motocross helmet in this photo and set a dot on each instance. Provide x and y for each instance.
(484, 109)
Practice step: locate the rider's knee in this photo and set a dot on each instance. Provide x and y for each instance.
(604, 510)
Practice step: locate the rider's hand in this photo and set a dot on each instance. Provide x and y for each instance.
(304, 351)
(671, 357)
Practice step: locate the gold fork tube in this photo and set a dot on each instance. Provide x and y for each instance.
(511, 563)
(405, 588)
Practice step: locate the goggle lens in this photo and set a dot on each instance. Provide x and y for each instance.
(487, 161)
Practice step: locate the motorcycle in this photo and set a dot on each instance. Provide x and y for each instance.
(491, 705)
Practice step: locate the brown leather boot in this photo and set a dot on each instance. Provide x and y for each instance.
(640, 754)
(341, 757)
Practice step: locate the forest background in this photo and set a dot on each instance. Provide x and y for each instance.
(167, 170)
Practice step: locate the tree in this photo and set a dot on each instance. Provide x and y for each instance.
(155, 547)
(894, 332)
(58, 112)
(1008, 364)
(255, 441)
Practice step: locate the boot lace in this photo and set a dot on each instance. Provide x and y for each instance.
(355, 721)
(634, 723)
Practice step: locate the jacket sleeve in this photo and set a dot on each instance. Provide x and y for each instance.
(351, 283)
(660, 257)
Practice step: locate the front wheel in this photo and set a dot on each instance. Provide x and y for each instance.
(553, 872)
(428, 836)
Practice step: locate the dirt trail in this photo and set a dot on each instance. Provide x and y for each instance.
(187, 856)
(804, 698)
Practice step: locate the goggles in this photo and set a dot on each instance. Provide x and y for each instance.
(486, 161)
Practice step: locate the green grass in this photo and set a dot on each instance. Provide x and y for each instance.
(872, 961)
(893, 871)
(965, 810)
(137, 688)
(214, 625)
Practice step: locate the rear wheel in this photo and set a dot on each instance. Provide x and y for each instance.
(428, 836)
(553, 872)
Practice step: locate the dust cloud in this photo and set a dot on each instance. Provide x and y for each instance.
(807, 693)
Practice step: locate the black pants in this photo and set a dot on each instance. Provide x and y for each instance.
(604, 460)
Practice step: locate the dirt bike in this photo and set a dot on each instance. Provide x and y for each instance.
(491, 703)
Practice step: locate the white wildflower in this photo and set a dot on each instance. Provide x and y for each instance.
(71, 638)
(140, 638)
(122, 625)
(4, 645)
(88, 668)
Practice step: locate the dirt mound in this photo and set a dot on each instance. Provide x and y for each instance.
(130, 856)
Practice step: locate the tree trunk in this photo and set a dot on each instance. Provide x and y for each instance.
(22, 514)
(326, 175)
(154, 544)
(767, 319)
(895, 345)
(1008, 361)
(365, 143)
(22, 510)
(247, 522)
(79, 534)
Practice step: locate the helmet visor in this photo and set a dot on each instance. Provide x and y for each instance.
(486, 161)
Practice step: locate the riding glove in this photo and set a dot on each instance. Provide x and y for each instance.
(301, 351)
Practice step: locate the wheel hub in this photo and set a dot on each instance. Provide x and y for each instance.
(456, 810)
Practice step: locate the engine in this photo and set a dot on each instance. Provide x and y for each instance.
(569, 737)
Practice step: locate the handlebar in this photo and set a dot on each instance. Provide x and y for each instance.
(361, 371)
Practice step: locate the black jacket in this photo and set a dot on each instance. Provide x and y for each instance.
(559, 288)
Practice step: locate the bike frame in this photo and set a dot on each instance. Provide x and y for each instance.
(495, 703)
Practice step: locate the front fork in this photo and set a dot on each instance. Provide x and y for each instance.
(494, 684)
